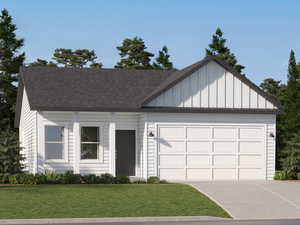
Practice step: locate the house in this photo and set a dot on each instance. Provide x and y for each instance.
(204, 122)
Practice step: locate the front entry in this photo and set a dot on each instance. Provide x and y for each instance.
(125, 152)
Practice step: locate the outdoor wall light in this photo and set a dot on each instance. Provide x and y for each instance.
(151, 134)
(272, 134)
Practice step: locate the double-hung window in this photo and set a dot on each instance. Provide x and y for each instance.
(90, 148)
(55, 143)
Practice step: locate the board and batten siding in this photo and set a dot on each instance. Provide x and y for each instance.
(28, 134)
(212, 87)
(267, 121)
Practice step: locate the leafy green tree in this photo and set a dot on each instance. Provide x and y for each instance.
(219, 49)
(77, 58)
(10, 62)
(162, 62)
(42, 62)
(10, 156)
(291, 160)
(134, 55)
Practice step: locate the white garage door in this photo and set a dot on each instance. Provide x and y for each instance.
(190, 152)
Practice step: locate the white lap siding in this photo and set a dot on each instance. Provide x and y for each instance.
(27, 132)
(123, 121)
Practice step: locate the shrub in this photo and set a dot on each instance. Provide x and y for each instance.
(51, 177)
(4, 178)
(121, 180)
(90, 179)
(291, 153)
(285, 175)
(163, 182)
(153, 180)
(70, 178)
(106, 178)
(298, 176)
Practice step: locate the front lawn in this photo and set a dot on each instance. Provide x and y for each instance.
(126, 200)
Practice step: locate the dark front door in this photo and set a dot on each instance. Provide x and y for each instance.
(125, 152)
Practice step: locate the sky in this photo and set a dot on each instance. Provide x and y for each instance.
(260, 33)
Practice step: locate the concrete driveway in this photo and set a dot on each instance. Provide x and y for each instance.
(255, 199)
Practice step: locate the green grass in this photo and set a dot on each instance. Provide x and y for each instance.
(82, 201)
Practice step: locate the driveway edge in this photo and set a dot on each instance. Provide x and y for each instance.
(214, 200)
(114, 220)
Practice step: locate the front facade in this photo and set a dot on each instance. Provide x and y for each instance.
(205, 122)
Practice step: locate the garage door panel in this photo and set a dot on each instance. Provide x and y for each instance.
(172, 147)
(224, 174)
(172, 174)
(198, 147)
(250, 160)
(198, 174)
(169, 133)
(195, 152)
(250, 174)
(172, 161)
(224, 147)
(250, 147)
(224, 160)
(198, 133)
(251, 133)
(198, 161)
(224, 133)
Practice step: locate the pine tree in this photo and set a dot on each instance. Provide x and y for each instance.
(134, 55)
(42, 62)
(162, 62)
(78, 58)
(10, 62)
(219, 49)
(292, 98)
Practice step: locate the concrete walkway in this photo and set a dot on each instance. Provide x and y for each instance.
(255, 199)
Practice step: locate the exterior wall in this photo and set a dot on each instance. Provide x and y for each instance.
(122, 120)
(27, 132)
(212, 87)
(239, 119)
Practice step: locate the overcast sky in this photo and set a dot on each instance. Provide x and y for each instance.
(260, 33)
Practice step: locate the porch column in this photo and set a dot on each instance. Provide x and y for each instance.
(112, 144)
(76, 136)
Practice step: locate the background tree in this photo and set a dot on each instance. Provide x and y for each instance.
(273, 87)
(162, 62)
(291, 99)
(42, 62)
(77, 58)
(134, 55)
(291, 155)
(10, 62)
(10, 157)
(219, 49)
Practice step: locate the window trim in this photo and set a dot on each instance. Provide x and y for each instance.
(65, 142)
(100, 150)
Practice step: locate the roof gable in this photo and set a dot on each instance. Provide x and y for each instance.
(210, 83)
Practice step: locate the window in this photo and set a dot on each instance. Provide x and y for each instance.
(90, 143)
(54, 142)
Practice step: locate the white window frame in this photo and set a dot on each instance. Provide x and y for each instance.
(65, 142)
(100, 152)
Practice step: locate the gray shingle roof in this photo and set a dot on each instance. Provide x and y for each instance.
(112, 90)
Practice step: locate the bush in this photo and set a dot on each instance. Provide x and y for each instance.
(163, 182)
(153, 180)
(70, 178)
(90, 179)
(298, 176)
(285, 175)
(121, 180)
(106, 178)
(51, 177)
(4, 178)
